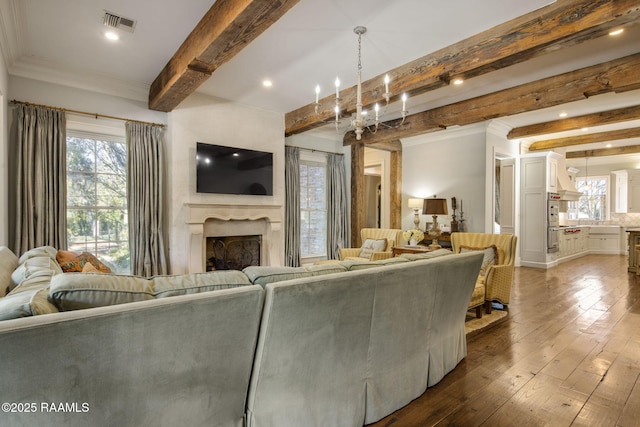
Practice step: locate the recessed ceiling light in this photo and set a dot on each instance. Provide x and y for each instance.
(267, 83)
(112, 36)
(458, 81)
(609, 146)
(563, 114)
(616, 32)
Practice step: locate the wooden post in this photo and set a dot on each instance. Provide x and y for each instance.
(395, 190)
(357, 193)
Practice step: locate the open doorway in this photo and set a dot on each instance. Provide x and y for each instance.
(504, 205)
(373, 196)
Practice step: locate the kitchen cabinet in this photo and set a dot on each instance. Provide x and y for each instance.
(627, 191)
(604, 239)
(573, 242)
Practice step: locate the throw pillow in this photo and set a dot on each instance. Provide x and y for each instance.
(490, 256)
(77, 264)
(89, 268)
(372, 245)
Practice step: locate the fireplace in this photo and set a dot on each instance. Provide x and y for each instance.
(263, 223)
(232, 252)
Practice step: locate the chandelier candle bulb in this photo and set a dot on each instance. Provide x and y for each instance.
(377, 108)
(337, 88)
(386, 83)
(404, 102)
(317, 93)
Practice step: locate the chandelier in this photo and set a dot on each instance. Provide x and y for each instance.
(360, 121)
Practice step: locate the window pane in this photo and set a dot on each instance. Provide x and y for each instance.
(81, 189)
(80, 155)
(313, 209)
(97, 201)
(593, 203)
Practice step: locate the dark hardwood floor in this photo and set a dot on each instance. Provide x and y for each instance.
(568, 355)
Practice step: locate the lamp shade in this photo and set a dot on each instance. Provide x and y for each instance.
(415, 203)
(435, 207)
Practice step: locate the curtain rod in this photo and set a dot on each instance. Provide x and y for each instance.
(96, 115)
(314, 150)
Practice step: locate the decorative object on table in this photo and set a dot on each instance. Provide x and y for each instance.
(461, 226)
(435, 207)
(454, 222)
(413, 236)
(416, 205)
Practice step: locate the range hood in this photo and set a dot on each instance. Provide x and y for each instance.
(566, 189)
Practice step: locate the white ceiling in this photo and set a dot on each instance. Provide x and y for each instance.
(62, 42)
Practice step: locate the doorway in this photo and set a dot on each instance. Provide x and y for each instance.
(504, 201)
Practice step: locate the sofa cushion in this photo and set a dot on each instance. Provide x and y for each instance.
(354, 264)
(30, 302)
(75, 291)
(49, 251)
(263, 275)
(426, 255)
(8, 264)
(490, 256)
(326, 268)
(372, 245)
(167, 286)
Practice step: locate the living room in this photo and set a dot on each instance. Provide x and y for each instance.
(458, 161)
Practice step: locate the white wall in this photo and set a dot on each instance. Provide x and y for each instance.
(205, 119)
(449, 163)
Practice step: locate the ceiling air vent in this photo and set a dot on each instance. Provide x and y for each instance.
(112, 20)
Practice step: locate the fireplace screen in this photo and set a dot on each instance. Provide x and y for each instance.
(233, 252)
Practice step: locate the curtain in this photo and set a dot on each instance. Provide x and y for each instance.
(146, 198)
(337, 213)
(39, 177)
(292, 207)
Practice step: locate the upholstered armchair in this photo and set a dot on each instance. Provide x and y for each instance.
(498, 266)
(377, 244)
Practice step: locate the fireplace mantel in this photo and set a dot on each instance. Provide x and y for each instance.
(197, 215)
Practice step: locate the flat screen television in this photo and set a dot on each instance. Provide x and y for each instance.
(230, 170)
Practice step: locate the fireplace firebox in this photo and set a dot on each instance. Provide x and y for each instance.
(232, 252)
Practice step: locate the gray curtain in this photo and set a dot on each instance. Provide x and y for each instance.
(292, 207)
(337, 212)
(38, 172)
(146, 198)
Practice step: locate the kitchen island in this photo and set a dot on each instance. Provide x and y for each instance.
(634, 239)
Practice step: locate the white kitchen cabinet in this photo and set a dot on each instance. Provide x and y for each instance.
(604, 239)
(573, 242)
(627, 191)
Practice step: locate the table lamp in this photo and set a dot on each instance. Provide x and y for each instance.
(434, 207)
(416, 204)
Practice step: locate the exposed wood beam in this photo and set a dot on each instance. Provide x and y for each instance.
(561, 24)
(591, 138)
(613, 151)
(225, 30)
(614, 76)
(579, 122)
(392, 146)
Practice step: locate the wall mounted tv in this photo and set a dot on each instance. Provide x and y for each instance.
(229, 170)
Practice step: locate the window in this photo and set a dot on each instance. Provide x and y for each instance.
(313, 208)
(594, 203)
(97, 199)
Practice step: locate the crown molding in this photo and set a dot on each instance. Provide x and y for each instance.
(47, 71)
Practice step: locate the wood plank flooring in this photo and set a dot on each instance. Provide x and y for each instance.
(568, 355)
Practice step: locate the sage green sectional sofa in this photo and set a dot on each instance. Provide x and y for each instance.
(340, 344)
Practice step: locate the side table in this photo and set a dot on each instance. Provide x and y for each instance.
(410, 250)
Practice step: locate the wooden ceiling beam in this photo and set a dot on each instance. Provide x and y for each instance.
(225, 30)
(573, 123)
(613, 151)
(591, 138)
(561, 24)
(614, 76)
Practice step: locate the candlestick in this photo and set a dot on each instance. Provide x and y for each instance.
(337, 88)
(317, 92)
(404, 102)
(386, 83)
(377, 108)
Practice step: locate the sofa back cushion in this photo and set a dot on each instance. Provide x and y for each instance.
(169, 286)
